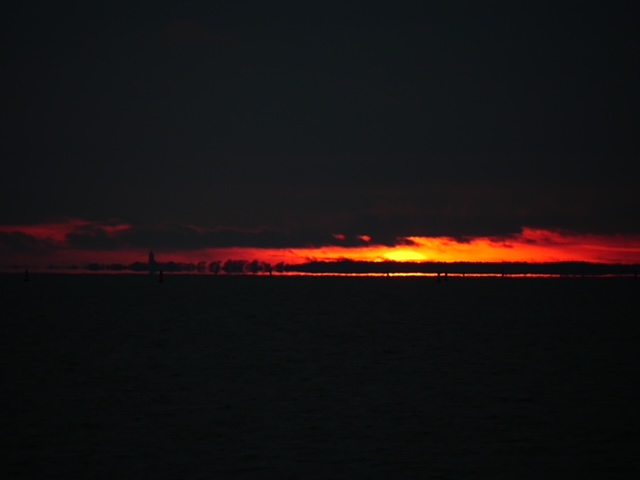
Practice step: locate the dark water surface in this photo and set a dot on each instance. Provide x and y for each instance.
(317, 378)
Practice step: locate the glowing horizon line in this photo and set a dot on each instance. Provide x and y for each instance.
(531, 245)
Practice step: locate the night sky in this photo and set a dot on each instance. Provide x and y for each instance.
(204, 125)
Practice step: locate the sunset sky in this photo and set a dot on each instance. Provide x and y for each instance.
(297, 131)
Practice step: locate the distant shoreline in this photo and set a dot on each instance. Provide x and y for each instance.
(349, 268)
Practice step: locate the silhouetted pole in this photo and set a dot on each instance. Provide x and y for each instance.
(152, 264)
(26, 274)
(438, 278)
(160, 277)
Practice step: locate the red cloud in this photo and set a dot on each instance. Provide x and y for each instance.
(80, 242)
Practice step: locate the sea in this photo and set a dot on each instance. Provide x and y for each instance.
(294, 377)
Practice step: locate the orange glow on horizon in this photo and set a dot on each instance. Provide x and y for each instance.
(530, 245)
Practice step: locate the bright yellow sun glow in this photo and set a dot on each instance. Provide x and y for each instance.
(404, 255)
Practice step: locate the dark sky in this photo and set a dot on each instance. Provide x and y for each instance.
(379, 118)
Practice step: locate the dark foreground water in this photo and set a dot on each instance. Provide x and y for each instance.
(120, 377)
